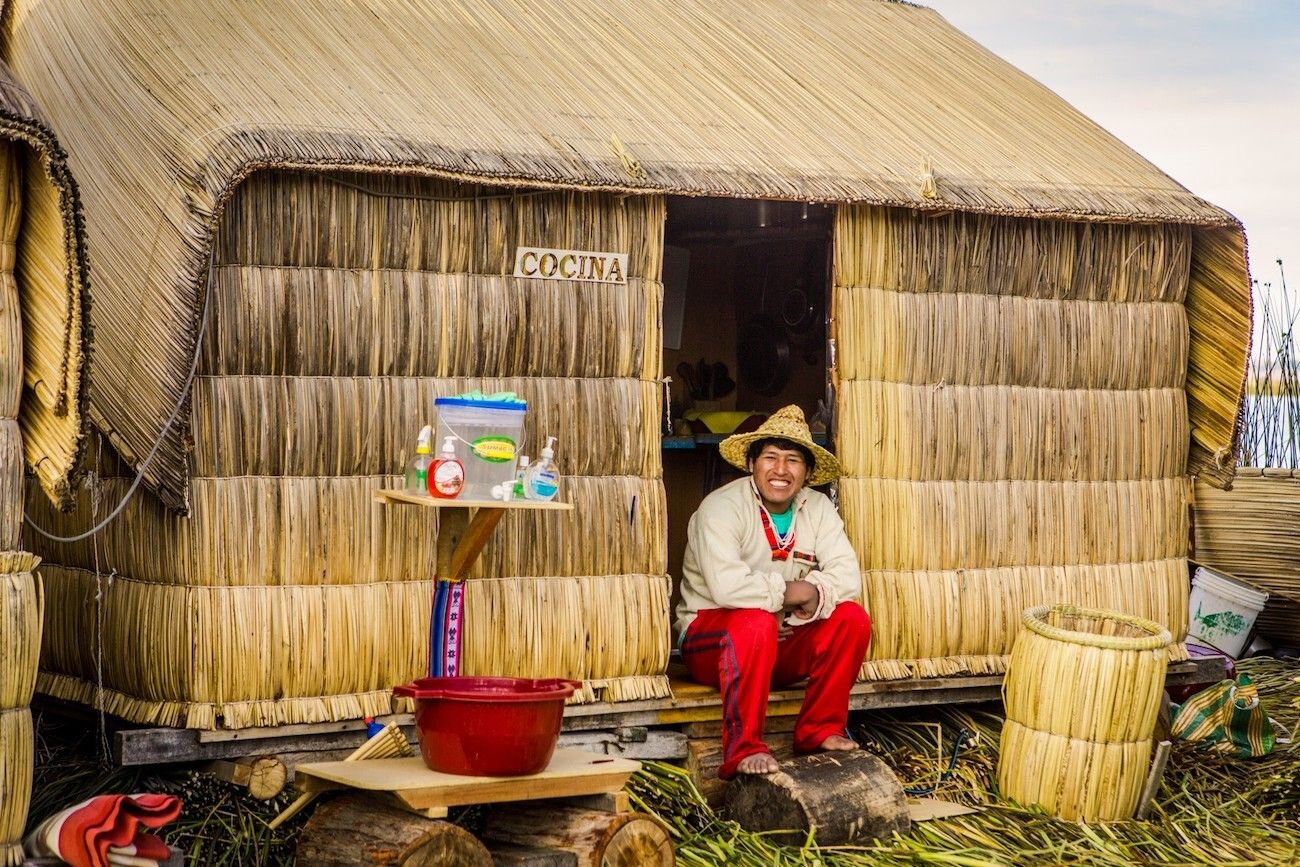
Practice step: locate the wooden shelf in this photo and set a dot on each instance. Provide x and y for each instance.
(393, 497)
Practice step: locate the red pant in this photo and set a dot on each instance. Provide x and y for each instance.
(736, 650)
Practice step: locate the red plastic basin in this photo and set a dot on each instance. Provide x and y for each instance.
(488, 726)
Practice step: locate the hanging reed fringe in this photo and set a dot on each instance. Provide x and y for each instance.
(1082, 693)
(268, 530)
(991, 432)
(1013, 426)
(1250, 532)
(1219, 314)
(361, 426)
(203, 657)
(323, 321)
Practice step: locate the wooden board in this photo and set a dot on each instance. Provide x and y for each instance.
(395, 497)
(571, 773)
(927, 809)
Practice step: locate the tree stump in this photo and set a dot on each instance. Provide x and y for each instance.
(846, 796)
(599, 839)
(356, 830)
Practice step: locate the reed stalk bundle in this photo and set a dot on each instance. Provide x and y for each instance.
(414, 223)
(270, 530)
(1073, 779)
(905, 525)
(319, 321)
(992, 432)
(1250, 532)
(360, 426)
(16, 759)
(1219, 328)
(1082, 693)
(908, 251)
(969, 338)
(203, 657)
(976, 612)
(1013, 425)
(11, 484)
(21, 606)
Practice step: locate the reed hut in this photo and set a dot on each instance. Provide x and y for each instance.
(42, 278)
(304, 218)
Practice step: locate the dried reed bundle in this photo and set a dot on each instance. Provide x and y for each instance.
(1086, 673)
(51, 273)
(908, 525)
(426, 224)
(11, 322)
(1072, 779)
(564, 627)
(16, 755)
(318, 321)
(1250, 532)
(973, 339)
(21, 607)
(355, 426)
(11, 484)
(969, 613)
(208, 656)
(986, 433)
(909, 251)
(1082, 693)
(1219, 326)
(268, 530)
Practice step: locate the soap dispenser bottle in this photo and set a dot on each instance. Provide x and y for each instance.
(542, 479)
(447, 476)
(416, 480)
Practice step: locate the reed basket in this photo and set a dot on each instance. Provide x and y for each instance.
(1082, 693)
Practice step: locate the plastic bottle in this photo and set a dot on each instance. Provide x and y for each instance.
(447, 475)
(542, 480)
(519, 477)
(417, 471)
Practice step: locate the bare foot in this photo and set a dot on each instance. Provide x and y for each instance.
(839, 743)
(758, 763)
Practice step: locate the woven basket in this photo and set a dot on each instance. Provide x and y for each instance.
(1082, 693)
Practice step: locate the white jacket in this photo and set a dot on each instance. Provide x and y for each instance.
(729, 563)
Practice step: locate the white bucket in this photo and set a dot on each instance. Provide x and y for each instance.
(487, 436)
(1222, 612)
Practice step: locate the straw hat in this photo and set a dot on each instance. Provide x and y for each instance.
(788, 424)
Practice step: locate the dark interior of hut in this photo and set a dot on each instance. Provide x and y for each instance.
(746, 284)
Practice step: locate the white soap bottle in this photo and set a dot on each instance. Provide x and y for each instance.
(542, 478)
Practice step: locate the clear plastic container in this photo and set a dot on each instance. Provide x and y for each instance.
(487, 436)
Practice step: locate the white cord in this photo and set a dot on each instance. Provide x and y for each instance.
(162, 435)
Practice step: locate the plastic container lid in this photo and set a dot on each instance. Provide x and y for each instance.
(480, 404)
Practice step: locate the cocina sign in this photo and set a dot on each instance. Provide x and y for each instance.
(540, 263)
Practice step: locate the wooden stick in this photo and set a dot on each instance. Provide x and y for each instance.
(1154, 779)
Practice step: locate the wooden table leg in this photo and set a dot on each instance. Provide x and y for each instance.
(470, 544)
(452, 524)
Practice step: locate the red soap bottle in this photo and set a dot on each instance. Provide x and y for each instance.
(447, 474)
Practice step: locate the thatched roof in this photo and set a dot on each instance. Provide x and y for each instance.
(166, 107)
(49, 260)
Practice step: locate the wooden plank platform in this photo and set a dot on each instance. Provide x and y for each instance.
(414, 787)
(691, 703)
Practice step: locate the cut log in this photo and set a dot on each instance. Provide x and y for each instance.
(514, 855)
(357, 830)
(846, 796)
(599, 839)
(263, 776)
(704, 757)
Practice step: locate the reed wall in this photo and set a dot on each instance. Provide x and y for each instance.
(1251, 532)
(342, 306)
(1013, 424)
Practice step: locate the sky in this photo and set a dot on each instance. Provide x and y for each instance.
(1208, 90)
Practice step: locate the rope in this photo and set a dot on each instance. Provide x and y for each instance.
(162, 434)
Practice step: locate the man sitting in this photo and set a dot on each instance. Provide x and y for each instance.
(768, 584)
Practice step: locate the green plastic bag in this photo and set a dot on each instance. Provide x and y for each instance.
(1226, 717)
